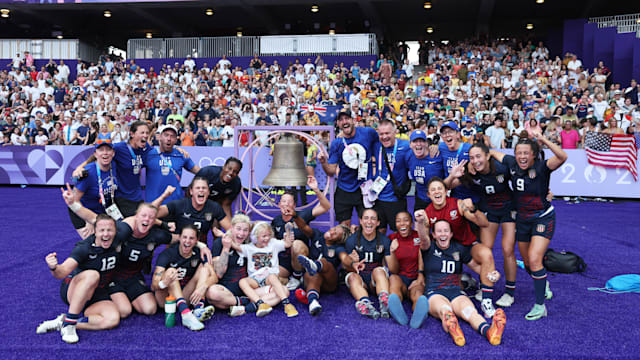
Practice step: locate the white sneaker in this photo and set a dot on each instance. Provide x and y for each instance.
(191, 322)
(479, 295)
(487, 308)
(505, 300)
(548, 294)
(204, 313)
(315, 308)
(236, 310)
(69, 334)
(50, 325)
(293, 283)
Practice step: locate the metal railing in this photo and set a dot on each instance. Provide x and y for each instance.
(343, 44)
(617, 20)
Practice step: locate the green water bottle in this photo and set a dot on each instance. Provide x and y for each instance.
(169, 311)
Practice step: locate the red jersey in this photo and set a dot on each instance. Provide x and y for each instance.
(460, 226)
(407, 253)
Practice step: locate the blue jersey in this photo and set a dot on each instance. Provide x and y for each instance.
(318, 249)
(530, 188)
(91, 184)
(278, 225)
(348, 177)
(493, 188)
(136, 251)
(373, 252)
(397, 158)
(185, 266)
(443, 268)
(165, 169)
(236, 265)
(451, 159)
(422, 170)
(129, 163)
(183, 212)
(219, 190)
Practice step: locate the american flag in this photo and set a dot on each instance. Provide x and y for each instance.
(619, 151)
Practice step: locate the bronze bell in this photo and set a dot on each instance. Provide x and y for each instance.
(288, 163)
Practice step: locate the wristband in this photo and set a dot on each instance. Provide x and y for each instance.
(75, 206)
(162, 285)
(165, 226)
(54, 268)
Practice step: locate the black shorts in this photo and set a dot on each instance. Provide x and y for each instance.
(344, 202)
(77, 222)
(387, 211)
(450, 294)
(284, 259)
(544, 226)
(234, 287)
(99, 294)
(420, 204)
(127, 207)
(132, 287)
(406, 280)
(500, 216)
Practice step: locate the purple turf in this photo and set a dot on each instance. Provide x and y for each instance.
(581, 323)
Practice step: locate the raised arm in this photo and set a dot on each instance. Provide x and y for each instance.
(453, 180)
(78, 170)
(60, 271)
(422, 227)
(497, 155)
(75, 206)
(560, 155)
(471, 213)
(329, 169)
(323, 205)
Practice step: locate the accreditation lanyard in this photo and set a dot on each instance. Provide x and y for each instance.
(167, 165)
(458, 153)
(111, 184)
(395, 149)
(347, 147)
(136, 161)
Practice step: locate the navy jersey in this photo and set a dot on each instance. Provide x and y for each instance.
(129, 161)
(373, 252)
(236, 266)
(183, 212)
(397, 158)
(493, 188)
(278, 225)
(136, 251)
(318, 249)
(530, 188)
(443, 268)
(348, 177)
(186, 267)
(165, 169)
(451, 159)
(422, 170)
(219, 190)
(90, 185)
(92, 257)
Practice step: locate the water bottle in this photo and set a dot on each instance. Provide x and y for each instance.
(520, 264)
(169, 311)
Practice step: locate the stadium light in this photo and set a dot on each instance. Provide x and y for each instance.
(429, 30)
(332, 31)
(427, 5)
(4, 13)
(208, 12)
(59, 37)
(107, 14)
(315, 9)
(149, 35)
(539, 1)
(239, 34)
(529, 26)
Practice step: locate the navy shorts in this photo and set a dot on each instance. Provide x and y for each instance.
(344, 202)
(99, 294)
(499, 217)
(406, 280)
(284, 259)
(450, 294)
(544, 226)
(234, 287)
(132, 287)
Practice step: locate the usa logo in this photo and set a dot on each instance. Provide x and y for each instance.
(151, 246)
(208, 216)
(119, 248)
(380, 248)
(453, 214)
(532, 173)
(500, 178)
(416, 241)
(540, 228)
(228, 191)
(331, 252)
(456, 256)
(194, 262)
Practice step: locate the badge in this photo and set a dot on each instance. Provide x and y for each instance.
(151, 246)
(540, 228)
(378, 185)
(136, 170)
(119, 248)
(331, 252)
(513, 214)
(500, 178)
(532, 173)
(208, 216)
(456, 256)
(380, 248)
(114, 212)
(453, 214)
(416, 241)
(228, 191)
(363, 169)
(165, 170)
(194, 263)
(420, 180)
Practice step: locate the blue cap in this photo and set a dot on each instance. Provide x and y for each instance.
(465, 119)
(450, 124)
(418, 134)
(106, 142)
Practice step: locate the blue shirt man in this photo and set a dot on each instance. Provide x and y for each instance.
(454, 151)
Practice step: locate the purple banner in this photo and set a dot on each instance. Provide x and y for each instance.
(603, 40)
(623, 58)
(572, 35)
(635, 70)
(587, 46)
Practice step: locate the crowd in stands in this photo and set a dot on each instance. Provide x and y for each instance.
(497, 93)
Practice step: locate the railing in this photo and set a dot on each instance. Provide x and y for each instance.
(628, 28)
(617, 20)
(344, 44)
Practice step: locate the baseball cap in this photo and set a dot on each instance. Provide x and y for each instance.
(167, 127)
(101, 142)
(345, 112)
(418, 134)
(451, 125)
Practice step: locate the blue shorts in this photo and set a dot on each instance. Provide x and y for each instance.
(284, 259)
(132, 287)
(499, 217)
(234, 287)
(406, 280)
(450, 294)
(99, 294)
(544, 226)
(367, 281)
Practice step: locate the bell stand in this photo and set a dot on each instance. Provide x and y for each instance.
(254, 186)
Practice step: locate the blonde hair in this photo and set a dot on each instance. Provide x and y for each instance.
(258, 227)
(240, 219)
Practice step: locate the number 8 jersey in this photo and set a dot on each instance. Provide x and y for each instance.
(443, 268)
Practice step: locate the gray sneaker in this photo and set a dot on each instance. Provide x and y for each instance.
(191, 322)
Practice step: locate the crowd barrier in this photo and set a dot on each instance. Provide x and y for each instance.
(53, 165)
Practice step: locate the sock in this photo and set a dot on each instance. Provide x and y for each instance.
(510, 287)
(539, 283)
(252, 306)
(242, 300)
(298, 274)
(199, 305)
(318, 265)
(70, 319)
(182, 306)
(487, 291)
(313, 295)
(365, 298)
(285, 301)
(482, 329)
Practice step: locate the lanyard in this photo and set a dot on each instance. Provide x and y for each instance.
(111, 188)
(458, 153)
(395, 149)
(166, 162)
(135, 160)
(347, 147)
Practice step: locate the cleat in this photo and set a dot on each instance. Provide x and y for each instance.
(479, 295)
(315, 308)
(290, 310)
(494, 334)
(50, 325)
(308, 264)
(301, 296)
(396, 310)
(191, 322)
(505, 300)
(420, 313)
(487, 308)
(548, 294)
(293, 283)
(236, 311)
(205, 313)
(454, 328)
(365, 308)
(383, 299)
(263, 310)
(69, 334)
(538, 311)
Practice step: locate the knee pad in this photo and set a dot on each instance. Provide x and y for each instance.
(447, 308)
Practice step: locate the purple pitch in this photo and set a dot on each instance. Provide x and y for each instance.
(581, 323)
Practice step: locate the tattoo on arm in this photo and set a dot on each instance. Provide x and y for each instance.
(221, 263)
(158, 273)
